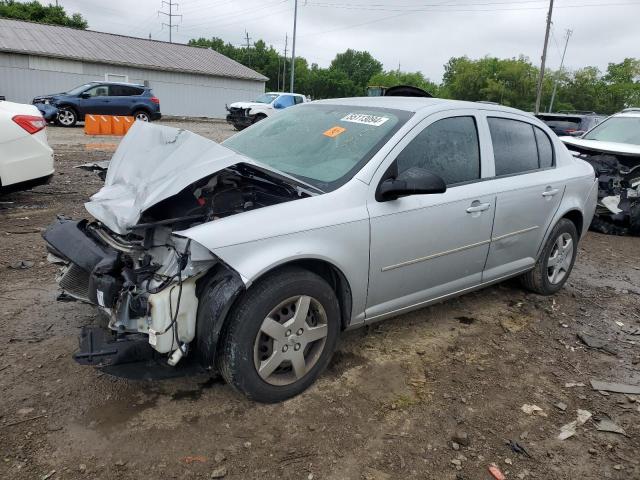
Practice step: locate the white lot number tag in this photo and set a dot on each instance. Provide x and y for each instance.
(100, 295)
(365, 119)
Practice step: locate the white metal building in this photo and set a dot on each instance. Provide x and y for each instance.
(37, 59)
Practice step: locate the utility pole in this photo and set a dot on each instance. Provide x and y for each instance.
(544, 58)
(293, 48)
(246, 34)
(170, 15)
(284, 67)
(555, 83)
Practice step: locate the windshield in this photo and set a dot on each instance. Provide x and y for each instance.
(266, 98)
(617, 129)
(323, 145)
(79, 90)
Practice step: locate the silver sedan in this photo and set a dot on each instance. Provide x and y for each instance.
(251, 257)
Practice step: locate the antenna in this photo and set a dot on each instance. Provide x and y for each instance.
(170, 15)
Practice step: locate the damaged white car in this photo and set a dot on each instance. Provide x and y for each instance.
(251, 257)
(613, 149)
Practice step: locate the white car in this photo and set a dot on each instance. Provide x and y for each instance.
(243, 114)
(26, 159)
(613, 149)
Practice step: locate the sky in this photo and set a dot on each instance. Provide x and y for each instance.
(418, 35)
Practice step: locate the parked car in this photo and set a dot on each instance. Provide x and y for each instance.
(252, 256)
(243, 114)
(48, 111)
(26, 160)
(613, 148)
(103, 98)
(571, 123)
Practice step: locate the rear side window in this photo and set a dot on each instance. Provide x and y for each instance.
(545, 150)
(449, 148)
(514, 146)
(285, 101)
(124, 91)
(298, 100)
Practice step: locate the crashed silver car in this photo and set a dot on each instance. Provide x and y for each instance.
(251, 257)
(613, 149)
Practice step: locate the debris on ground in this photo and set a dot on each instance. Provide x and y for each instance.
(605, 424)
(220, 472)
(497, 474)
(596, 343)
(533, 410)
(461, 438)
(569, 430)
(560, 406)
(96, 167)
(21, 265)
(615, 387)
(574, 384)
(517, 448)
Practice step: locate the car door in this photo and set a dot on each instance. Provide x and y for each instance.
(425, 247)
(529, 190)
(120, 101)
(94, 100)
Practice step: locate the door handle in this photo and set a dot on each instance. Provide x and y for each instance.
(550, 192)
(480, 207)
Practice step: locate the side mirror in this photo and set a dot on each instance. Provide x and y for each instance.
(278, 105)
(84, 95)
(414, 181)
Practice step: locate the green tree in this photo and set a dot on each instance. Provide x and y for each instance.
(358, 66)
(36, 12)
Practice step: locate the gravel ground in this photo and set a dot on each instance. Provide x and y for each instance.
(395, 398)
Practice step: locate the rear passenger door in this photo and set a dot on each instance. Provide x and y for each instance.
(122, 99)
(529, 190)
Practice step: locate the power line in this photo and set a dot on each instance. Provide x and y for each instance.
(555, 83)
(170, 15)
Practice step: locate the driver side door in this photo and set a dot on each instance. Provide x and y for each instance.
(425, 247)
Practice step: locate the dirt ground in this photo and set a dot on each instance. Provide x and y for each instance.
(393, 400)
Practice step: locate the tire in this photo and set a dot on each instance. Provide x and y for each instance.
(67, 117)
(556, 260)
(142, 115)
(246, 347)
(258, 117)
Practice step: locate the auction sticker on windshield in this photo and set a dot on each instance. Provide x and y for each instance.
(373, 120)
(334, 132)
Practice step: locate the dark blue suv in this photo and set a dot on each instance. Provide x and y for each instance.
(103, 98)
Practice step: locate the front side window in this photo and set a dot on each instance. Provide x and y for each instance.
(285, 101)
(617, 129)
(98, 91)
(448, 148)
(514, 146)
(324, 145)
(78, 90)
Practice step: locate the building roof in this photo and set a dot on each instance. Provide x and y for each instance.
(30, 38)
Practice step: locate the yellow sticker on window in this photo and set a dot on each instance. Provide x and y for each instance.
(334, 132)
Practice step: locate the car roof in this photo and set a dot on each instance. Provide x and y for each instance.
(284, 93)
(628, 112)
(97, 82)
(415, 104)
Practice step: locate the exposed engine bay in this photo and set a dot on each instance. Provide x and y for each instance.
(618, 209)
(145, 280)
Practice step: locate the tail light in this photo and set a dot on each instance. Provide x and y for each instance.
(31, 123)
(155, 100)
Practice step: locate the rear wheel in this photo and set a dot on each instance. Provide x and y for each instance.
(67, 117)
(281, 336)
(142, 115)
(556, 261)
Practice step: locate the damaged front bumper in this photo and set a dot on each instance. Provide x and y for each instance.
(146, 285)
(240, 117)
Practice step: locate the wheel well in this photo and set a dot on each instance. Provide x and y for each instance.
(333, 276)
(576, 217)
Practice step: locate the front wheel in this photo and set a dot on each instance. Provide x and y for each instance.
(258, 117)
(67, 117)
(281, 336)
(142, 116)
(556, 260)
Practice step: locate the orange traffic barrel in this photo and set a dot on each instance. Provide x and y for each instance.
(91, 126)
(105, 124)
(117, 125)
(128, 122)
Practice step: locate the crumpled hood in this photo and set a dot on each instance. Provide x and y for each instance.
(154, 162)
(604, 147)
(245, 105)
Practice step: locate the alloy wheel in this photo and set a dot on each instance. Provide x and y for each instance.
(291, 339)
(560, 258)
(66, 117)
(143, 117)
